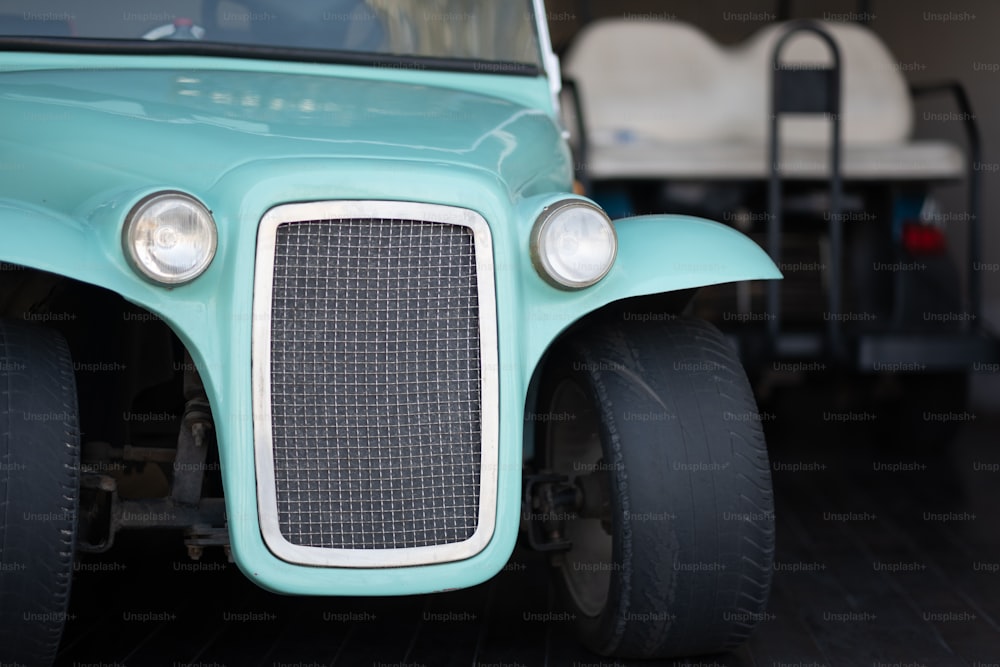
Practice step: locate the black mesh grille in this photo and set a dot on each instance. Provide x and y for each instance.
(375, 383)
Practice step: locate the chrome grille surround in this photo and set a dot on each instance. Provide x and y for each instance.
(275, 498)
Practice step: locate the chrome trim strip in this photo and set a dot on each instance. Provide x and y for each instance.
(267, 502)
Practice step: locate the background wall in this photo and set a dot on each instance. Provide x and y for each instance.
(933, 41)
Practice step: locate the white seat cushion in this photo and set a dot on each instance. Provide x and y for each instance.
(655, 79)
(662, 100)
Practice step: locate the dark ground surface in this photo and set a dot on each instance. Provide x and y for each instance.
(887, 557)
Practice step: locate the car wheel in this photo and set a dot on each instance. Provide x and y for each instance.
(39, 491)
(658, 419)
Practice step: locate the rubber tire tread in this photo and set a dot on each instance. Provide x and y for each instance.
(39, 490)
(691, 488)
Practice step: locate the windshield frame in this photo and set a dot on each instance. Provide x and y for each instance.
(551, 65)
(255, 52)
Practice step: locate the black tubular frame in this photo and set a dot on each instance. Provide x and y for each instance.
(974, 139)
(812, 90)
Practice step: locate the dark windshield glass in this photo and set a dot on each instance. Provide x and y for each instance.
(450, 29)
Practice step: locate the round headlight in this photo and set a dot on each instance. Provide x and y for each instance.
(170, 238)
(573, 244)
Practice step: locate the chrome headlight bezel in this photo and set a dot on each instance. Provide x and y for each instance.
(148, 216)
(555, 269)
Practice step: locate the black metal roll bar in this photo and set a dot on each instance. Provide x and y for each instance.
(797, 89)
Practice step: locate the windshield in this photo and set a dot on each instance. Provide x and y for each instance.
(499, 31)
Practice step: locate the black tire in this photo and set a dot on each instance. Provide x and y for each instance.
(39, 491)
(665, 410)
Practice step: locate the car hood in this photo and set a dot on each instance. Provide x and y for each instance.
(94, 131)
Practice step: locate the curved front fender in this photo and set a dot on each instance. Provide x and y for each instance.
(45, 240)
(663, 253)
(656, 254)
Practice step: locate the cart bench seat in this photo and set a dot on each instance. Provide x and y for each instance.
(662, 100)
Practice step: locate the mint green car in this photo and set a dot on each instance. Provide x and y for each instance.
(310, 282)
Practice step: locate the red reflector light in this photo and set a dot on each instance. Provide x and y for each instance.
(923, 239)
